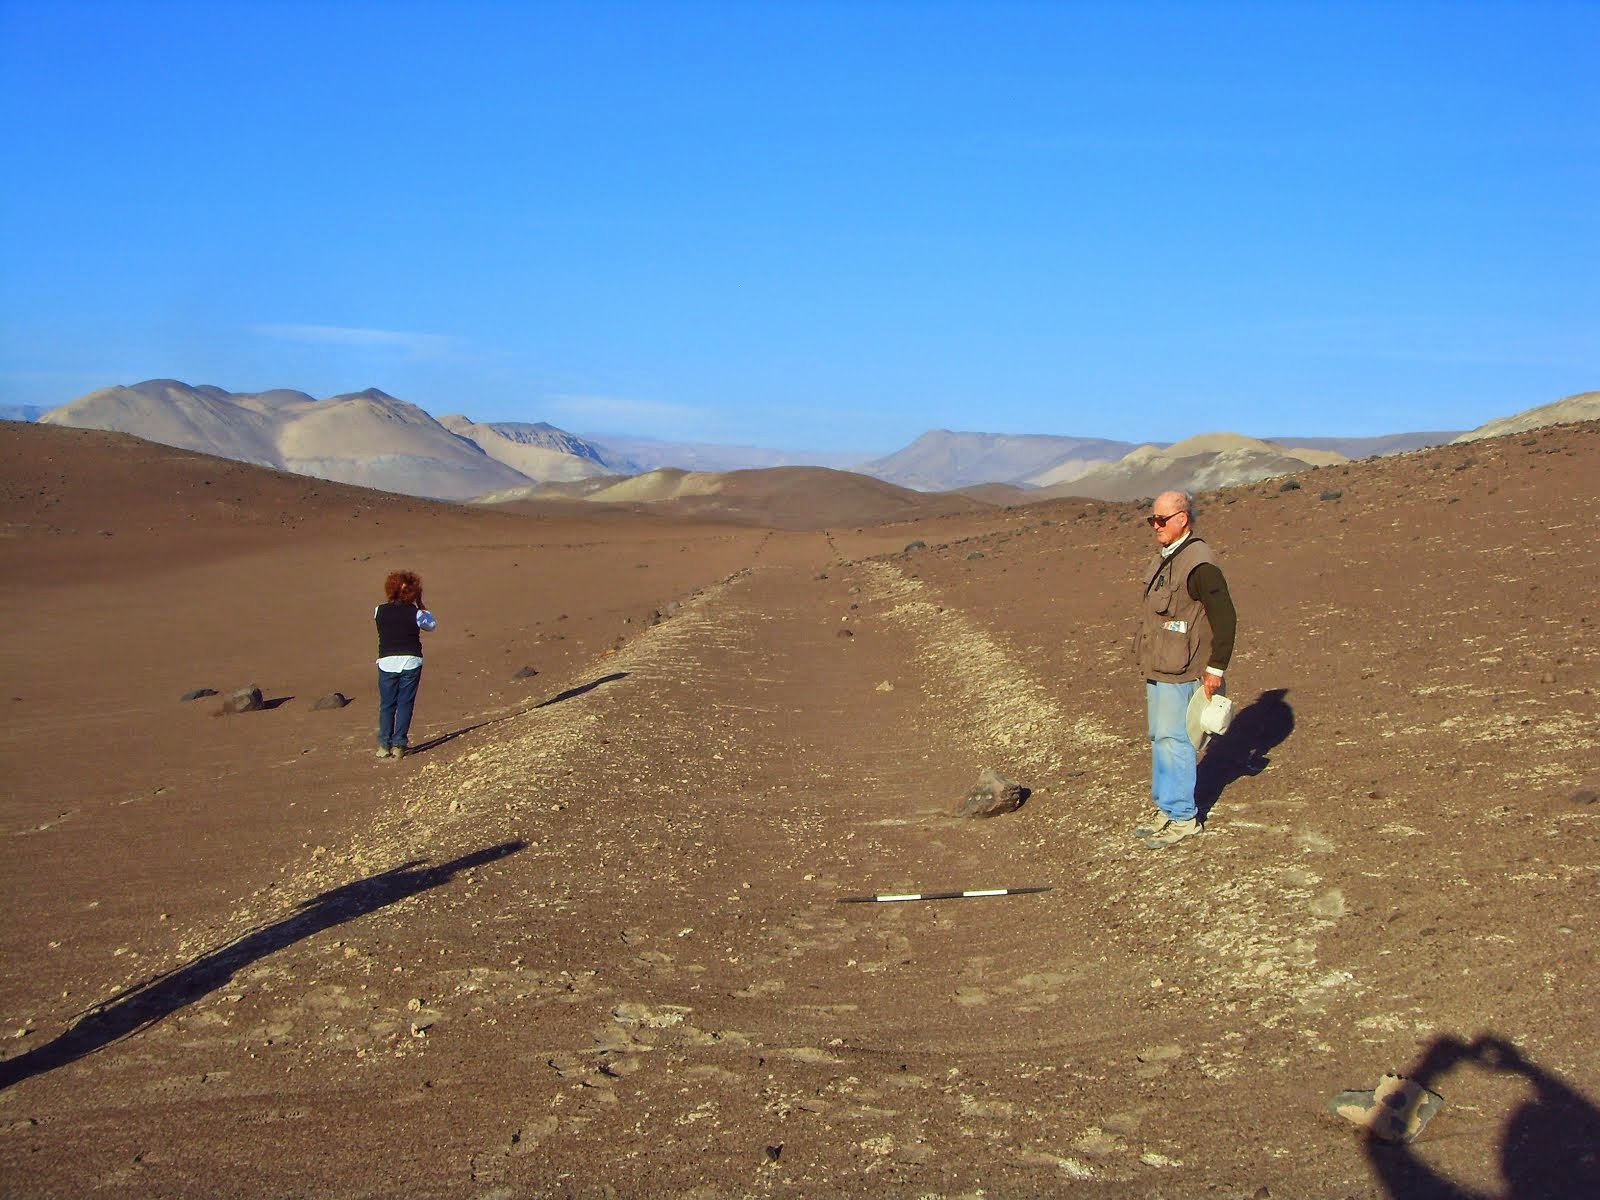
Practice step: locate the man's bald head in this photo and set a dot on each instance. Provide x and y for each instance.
(1170, 517)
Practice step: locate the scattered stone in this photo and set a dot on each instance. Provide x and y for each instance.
(1586, 796)
(991, 796)
(884, 686)
(526, 673)
(332, 700)
(847, 633)
(1289, 485)
(197, 693)
(975, 555)
(774, 1152)
(1395, 1111)
(919, 544)
(1332, 494)
(245, 699)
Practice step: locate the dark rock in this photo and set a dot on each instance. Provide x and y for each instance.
(1587, 796)
(846, 633)
(1289, 485)
(197, 694)
(245, 699)
(991, 796)
(919, 544)
(975, 555)
(526, 673)
(1332, 494)
(332, 700)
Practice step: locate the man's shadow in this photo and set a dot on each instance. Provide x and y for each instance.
(150, 1000)
(1550, 1145)
(1256, 729)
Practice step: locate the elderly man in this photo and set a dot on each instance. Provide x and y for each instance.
(1186, 635)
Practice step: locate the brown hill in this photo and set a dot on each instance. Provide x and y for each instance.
(588, 941)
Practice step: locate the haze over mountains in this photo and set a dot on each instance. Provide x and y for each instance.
(375, 440)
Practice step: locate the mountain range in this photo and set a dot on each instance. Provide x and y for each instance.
(375, 440)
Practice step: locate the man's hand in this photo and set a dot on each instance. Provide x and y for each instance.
(1211, 683)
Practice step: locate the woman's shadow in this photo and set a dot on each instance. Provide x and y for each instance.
(1257, 729)
(150, 1000)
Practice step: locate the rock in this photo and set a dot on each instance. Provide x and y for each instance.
(885, 686)
(991, 796)
(919, 544)
(1289, 485)
(245, 699)
(526, 673)
(975, 555)
(197, 693)
(1332, 494)
(846, 633)
(1587, 796)
(332, 700)
(1396, 1110)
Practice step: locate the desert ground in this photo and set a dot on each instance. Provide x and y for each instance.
(587, 941)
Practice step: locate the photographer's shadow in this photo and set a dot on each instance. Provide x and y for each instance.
(1549, 1144)
(1257, 729)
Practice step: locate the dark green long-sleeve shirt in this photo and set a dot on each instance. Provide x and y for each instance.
(1207, 585)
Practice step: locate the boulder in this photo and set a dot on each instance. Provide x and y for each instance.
(991, 796)
(245, 699)
(332, 700)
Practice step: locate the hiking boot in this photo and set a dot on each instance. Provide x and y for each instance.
(1155, 823)
(1175, 832)
(397, 751)
(383, 752)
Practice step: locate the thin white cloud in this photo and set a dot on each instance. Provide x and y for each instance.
(413, 345)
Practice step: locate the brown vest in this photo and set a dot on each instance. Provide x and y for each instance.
(1174, 636)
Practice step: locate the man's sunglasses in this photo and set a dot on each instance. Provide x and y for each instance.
(1158, 522)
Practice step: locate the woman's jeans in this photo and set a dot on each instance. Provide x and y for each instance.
(1173, 758)
(397, 696)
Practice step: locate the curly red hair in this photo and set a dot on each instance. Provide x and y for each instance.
(402, 587)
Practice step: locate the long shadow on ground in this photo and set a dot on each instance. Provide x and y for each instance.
(149, 1001)
(1257, 728)
(556, 699)
(1549, 1146)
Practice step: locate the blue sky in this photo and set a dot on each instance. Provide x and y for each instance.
(812, 225)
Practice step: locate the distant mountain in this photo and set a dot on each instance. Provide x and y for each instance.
(650, 454)
(367, 438)
(1580, 406)
(779, 497)
(1370, 447)
(942, 460)
(540, 451)
(21, 412)
(1211, 460)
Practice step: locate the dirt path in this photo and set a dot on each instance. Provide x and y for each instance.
(595, 949)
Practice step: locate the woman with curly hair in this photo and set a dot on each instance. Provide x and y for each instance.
(401, 621)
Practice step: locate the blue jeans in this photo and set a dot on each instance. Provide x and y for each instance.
(397, 696)
(1173, 757)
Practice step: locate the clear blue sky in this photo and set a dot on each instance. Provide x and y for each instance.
(812, 225)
